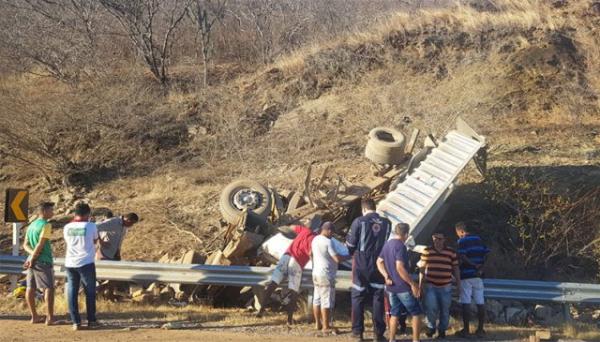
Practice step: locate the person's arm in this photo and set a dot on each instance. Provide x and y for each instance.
(352, 238)
(35, 253)
(26, 246)
(95, 233)
(421, 283)
(383, 271)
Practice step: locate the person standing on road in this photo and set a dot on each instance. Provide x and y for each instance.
(290, 265)
(81, 237)
(325, 264)
(365, 241)
(439, 264)
(472, 253)
(40, 274)
(112, 233)
(402, 290)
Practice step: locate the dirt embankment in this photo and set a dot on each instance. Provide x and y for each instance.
(526, 76)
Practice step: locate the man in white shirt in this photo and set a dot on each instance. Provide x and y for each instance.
(325, 264)
(81, 237)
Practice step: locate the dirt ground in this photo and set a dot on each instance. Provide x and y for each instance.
(19, 329)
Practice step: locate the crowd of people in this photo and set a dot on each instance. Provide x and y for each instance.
(85, 242)
(381, 277)
(381, 271)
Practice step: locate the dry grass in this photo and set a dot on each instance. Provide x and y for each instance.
(514, 15)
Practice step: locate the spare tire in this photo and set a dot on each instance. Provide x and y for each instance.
(385, 146)
(245, 194)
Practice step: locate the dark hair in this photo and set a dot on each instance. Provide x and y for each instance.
(367, 203)
(327, 226)
(401, 229)
(462, 226)
(46, 205)
(82, 209)
(132, 217)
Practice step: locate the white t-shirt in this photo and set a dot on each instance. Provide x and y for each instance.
(79, 237)
(323, 253)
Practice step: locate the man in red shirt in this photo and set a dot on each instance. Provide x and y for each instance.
(290, 265)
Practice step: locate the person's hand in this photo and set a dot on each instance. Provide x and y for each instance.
(28, 264)
(388, 281)
(415, 290)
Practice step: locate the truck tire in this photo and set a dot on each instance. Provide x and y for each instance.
(245, 193)
(385, 146)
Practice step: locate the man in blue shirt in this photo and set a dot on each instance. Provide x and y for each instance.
(367, 236)
(402, 290)
(472, 253)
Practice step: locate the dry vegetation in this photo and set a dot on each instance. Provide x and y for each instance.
(279, 84)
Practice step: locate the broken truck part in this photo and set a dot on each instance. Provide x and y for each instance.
(420, 198)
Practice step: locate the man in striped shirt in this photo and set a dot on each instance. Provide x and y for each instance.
(472, 253)
(439, 265)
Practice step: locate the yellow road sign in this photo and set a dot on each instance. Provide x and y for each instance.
(16, 206)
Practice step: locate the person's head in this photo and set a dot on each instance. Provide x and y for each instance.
(401, 231)
(327, 229)
(130, 219)
(439, 241)
(46, 210)
(462, 229)
(367, 204)
(82, 211)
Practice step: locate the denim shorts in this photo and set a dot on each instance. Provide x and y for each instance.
(404, 302)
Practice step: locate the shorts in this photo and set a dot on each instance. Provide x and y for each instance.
(324, 292)
(471, 288)
(40, 276)
(288, 267)
(402, 303)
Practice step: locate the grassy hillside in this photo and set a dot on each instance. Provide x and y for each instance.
(524, 73)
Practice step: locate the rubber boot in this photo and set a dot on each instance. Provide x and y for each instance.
(291, 307)
(269, 289)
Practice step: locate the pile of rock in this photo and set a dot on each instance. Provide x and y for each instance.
(520, 314)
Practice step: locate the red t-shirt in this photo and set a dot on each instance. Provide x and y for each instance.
(301, 246)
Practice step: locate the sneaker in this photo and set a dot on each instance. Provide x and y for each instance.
(462, 334)
(380, 338)
(480, 333)
(76, 327)
(430, 332)
(441, 335)
(93, 324)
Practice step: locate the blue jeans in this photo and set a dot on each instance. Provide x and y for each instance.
(437, 302)
(404, 302)
(85, 275)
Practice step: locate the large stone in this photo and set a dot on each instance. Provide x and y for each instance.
(516, 315)
(145, 298)
(543, 312)
(191, 257)
(494, 311)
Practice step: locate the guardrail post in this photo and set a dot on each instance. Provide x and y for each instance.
(567, 312)
(16, 242)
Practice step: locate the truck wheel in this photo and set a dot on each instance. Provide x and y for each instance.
(385, 146)
(244, 194)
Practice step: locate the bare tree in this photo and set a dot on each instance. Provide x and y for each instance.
(204, 14)
(47, 38)
(150, 26)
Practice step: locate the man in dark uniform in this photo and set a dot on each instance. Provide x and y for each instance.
(367, 236)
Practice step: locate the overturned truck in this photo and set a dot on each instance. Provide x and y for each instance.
(409, 187)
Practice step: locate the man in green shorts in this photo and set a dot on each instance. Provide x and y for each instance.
(40, 273)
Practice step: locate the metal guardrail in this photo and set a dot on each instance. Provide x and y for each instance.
(522, 290)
